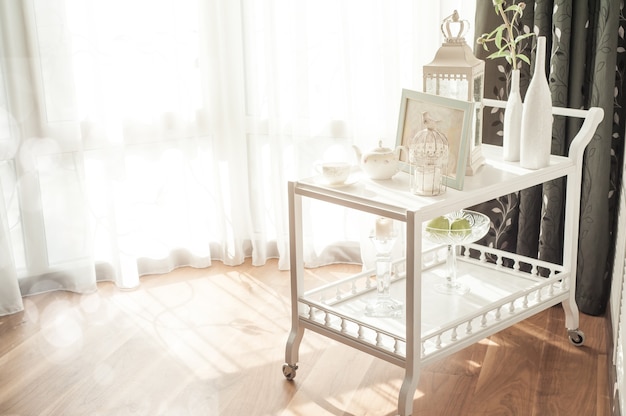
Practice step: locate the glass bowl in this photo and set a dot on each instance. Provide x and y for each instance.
(460, 227)
(464, 227)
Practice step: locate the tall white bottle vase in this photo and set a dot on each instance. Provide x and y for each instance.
(512, 127)
(536, 140)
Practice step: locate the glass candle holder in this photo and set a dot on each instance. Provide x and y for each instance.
(384, 238)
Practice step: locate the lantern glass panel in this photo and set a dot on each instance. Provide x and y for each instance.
(456, 88)
(478, 119)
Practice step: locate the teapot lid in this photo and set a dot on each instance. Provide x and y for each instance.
(381, 148)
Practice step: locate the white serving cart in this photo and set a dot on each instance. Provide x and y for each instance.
(505, 288)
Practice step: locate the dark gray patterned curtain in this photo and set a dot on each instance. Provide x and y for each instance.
(586, 68)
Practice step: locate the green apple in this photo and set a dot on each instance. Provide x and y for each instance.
(462, 226)
(439, 223)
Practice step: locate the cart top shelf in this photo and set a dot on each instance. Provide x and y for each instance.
(392, 198)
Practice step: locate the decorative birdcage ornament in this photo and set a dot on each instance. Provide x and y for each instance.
(428, 159)
(456, 73)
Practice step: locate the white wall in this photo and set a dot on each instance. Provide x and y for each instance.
(617, 307)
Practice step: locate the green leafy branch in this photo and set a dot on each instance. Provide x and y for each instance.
(507, 37)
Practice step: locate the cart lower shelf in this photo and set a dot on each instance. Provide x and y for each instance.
(499, 297)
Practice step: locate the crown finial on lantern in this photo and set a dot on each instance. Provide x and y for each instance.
(452, 22)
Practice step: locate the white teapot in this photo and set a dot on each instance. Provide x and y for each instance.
(381, 162)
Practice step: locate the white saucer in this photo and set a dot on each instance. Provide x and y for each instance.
(352, 179)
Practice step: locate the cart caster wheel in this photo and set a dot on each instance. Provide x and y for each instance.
(576, 337)
(289, 371)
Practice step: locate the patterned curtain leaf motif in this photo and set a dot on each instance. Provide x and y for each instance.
(503, 229)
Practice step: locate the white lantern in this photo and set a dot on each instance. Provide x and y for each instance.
(457, 73)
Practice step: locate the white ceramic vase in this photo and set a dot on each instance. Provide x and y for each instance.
(512, 127)
(536, 139)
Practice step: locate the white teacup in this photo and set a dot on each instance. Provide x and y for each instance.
(334, 173)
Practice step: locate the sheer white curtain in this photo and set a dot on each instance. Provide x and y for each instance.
(137, 136)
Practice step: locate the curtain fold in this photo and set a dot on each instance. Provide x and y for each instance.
(583, 39)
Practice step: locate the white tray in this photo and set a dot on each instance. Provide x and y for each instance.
(498, 296)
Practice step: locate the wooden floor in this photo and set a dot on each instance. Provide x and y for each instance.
(211, 342)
